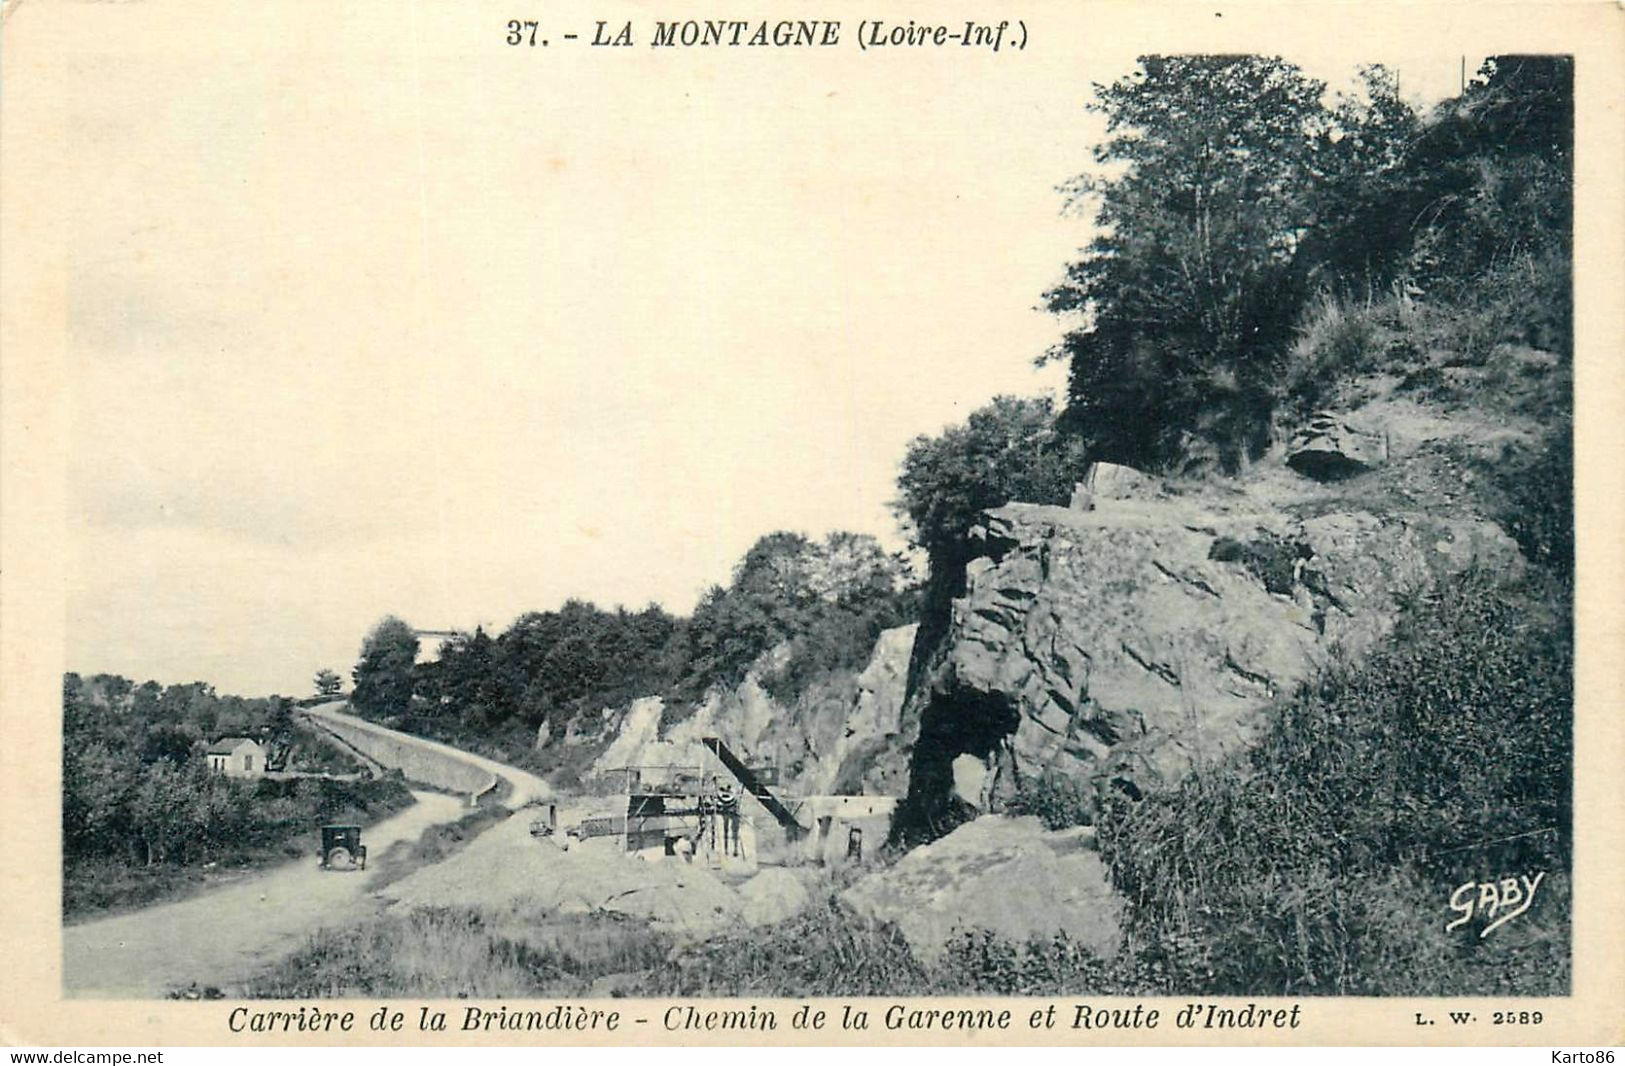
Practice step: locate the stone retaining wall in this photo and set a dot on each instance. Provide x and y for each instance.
(425, 765)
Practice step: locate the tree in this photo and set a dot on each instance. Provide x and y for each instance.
(167, 743)
(328, 683)
(383, 676)
(828, 599)
(473, 680)
(1491, 191)
(170, 809)
(97, 794)
(1008, 450)
(1204, 188)
(1364, 207)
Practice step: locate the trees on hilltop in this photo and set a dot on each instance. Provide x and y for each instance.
(1230, 193)
(383, 677)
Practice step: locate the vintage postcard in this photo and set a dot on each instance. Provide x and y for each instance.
(852, 523)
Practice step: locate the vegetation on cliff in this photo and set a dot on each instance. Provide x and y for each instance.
(1260, 247)
(1324, 860)
(1239, 209)
(821, 604)
(1262, 255)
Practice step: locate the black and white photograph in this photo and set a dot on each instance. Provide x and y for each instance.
(727, 513)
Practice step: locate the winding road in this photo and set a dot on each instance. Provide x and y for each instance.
(226, 934)
(522, 787)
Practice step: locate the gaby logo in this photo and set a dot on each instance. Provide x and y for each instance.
(1497, 901)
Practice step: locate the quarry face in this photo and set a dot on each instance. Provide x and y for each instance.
(1124, 643)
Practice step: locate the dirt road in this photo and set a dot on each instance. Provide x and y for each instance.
(226, 934)
(223, 935)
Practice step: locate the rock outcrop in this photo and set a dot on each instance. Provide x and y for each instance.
(1112, 481)
(636, 728)
(1328, 448)
(841, 734)
(1124, 644)
(1006, 875)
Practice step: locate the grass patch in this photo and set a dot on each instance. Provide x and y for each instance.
(444, 952)
(827, 949)
(438, 843)
(100, 887)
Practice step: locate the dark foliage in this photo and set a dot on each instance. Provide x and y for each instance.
(1009, 450)
(825, 602)
(548, 666)
(1539, 508)
(383, 676)
(1237, 198)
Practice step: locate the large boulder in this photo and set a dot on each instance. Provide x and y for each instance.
(1104, 482)
(1124, 645)
(1006, 875)
(772, 896)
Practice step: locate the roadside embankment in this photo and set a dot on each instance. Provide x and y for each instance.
(426, 761)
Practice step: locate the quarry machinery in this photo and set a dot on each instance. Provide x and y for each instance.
(690, 812)
(758, 788)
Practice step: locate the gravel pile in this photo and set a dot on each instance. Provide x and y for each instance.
(506, 864)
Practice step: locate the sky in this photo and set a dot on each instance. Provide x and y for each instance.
(388, 321)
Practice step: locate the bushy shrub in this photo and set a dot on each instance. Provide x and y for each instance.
(1336, 338)
(1009, 450)
(1267, 557)
(1321, 862)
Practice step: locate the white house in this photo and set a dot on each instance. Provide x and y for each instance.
(237, 757)
(430, 641)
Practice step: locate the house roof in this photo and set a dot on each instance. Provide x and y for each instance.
(227, 745)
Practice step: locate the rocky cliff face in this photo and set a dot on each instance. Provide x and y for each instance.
(841, 735)
(1125, 643)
